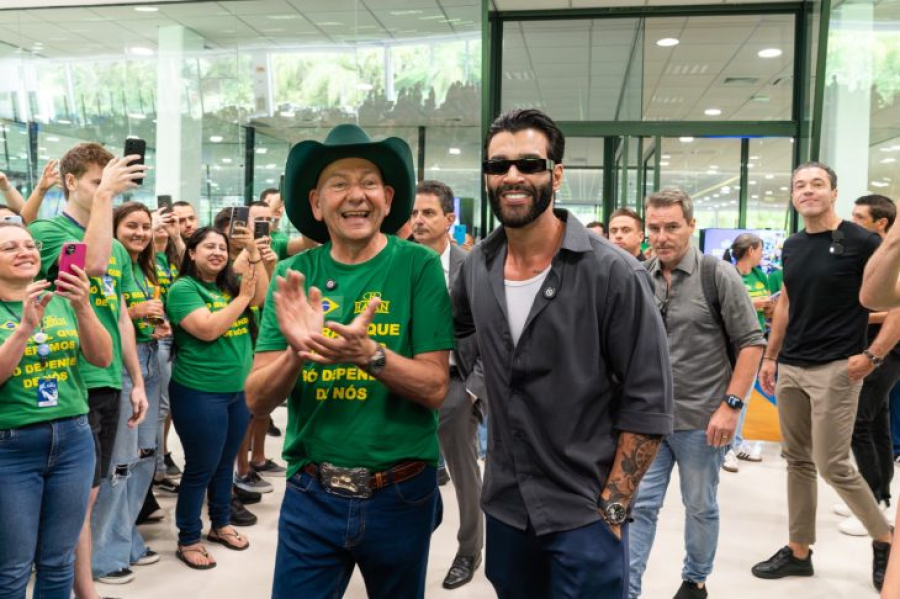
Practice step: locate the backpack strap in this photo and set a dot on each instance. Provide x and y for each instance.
(708, 265)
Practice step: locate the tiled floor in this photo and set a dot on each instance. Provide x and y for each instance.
(753, 527)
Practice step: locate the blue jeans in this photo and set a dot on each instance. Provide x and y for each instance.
(165, 375)
(585, 563)
(46, 472)
(117, 543)
(211, 427)
(322, 537)
(698, 469)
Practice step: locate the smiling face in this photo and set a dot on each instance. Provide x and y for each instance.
(669, 233)
(18, 263)
(812, 193)
(135, 232)
(518, 199)
(352, 199)
(210, 256)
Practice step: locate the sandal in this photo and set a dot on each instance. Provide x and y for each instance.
(180, 554)
(223, 539)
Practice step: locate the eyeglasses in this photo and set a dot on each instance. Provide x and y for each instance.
(837, 242)
(526, 166)
(13, 247)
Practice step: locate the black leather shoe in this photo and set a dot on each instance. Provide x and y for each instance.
(241, 516)
(246, 497)
(462, 571)
(691, 590)
(783, 564)
(443, 476)
(881, 553)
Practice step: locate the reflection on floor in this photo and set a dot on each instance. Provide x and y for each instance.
(754, 526)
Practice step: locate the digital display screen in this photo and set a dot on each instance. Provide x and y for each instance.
(715, 241)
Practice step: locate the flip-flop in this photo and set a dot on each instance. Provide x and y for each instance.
(179, 553)
(221, 539)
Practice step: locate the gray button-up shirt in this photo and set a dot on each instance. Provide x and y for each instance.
(592, 361)
(696, 341)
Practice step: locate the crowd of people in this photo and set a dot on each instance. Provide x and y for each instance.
(603, 365)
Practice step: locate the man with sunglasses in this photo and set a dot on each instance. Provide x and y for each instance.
(709, 388)
(577, 375)
(818, 348)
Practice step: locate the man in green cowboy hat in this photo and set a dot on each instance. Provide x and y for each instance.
(357, 332)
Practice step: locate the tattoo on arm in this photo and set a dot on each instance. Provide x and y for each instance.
(634, 454)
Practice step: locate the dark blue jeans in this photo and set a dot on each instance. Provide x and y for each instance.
(584, 563)
(322, 537)
(45, 478)
(211, 427)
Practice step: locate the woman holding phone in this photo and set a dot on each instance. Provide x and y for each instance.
(46, 445)
(209, 311)
(120, 544)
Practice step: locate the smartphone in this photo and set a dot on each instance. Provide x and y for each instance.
(261, 228)
(164, 203)
(72, 254)
(13, 218)
(134, 145)
(240, 216)
(459, 234)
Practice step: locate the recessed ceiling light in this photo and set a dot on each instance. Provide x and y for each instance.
(227, 160)
(146, 8)
(888, 160)
(271, 166)
(769, 53)
(685, 140)
(770, 176)
(665, 156)
(754, 197)
(712, 112)
(751, 182)
(136, 115)
(270, 181)
(667, 42)
(216, 138)
(262, 150)
(52, 139)
(768, 193)
(141, 51)
(783, 188)
(663, 163)
(754, 158)
(64, 121)
(879, 184)
(455, 151)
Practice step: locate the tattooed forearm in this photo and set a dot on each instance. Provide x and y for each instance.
(634, 454)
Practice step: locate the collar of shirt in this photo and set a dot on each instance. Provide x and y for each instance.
(445, 259)
(575, 238)
(687, 265)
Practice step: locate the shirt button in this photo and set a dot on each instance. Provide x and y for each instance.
(549, 292)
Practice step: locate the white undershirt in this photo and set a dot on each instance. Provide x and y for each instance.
(519, 299)
(445, 263)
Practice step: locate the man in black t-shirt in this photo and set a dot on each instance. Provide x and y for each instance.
(818, 346)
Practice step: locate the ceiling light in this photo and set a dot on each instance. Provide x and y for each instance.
(783, 188)
(888, 160)
(52, 139)
(769, 53)
(64, 121)
(751, 182)
(768, 193)
(770, 176)
(879, 184)
(216, 138)
(365, 87)
(754, 158)
(262, 150)
(137, 115)
(667, 42)
(685, 140)
(270, 181)
(663, 163)
(886, 149)
(712, 112)
(146, 8)
(455, 151)
(665, 156)
(714, 166)
(754, 197)
(140, 51)
(227, 160)
(271, 166)
(712, 172)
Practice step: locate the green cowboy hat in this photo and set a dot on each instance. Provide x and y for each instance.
(308, 159)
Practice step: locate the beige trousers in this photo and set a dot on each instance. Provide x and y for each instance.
(816, 410)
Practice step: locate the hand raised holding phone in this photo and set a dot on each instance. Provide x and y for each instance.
(119, 175)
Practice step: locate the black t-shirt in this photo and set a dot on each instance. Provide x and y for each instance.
(826, 320)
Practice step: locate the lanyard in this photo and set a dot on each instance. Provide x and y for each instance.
(43, 350)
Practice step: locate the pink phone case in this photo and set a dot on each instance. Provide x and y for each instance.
(72, 254)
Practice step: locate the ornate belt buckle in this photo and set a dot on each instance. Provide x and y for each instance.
(346, 482)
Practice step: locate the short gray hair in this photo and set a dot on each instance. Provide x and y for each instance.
(669, 197)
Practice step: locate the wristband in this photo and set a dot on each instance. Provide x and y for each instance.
(251, 262)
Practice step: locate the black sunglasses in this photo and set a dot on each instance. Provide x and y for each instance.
(837, 242)
(526, 166)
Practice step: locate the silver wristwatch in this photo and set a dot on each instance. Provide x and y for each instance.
(377, 362)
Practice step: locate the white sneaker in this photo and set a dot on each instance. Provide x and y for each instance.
(853, 527)
(731, 462)
(750, 454)
(841, 509)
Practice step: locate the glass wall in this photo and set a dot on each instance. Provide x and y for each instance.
(221, 91)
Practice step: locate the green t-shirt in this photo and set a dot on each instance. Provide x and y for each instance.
(757, 285)
(165, 274)
(106, 291)
(280, 244)
(219, 366)
(776, 280)
(338, 413)
(28, 397)
(144, 290)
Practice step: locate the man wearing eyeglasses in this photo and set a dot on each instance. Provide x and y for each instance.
(818, 348)
(577, 375)
(709, 387)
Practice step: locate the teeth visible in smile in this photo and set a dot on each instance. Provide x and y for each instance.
(516, 196)
(354, 214)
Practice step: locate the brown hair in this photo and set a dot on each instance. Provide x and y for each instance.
(147, 258)
(79, 159)
(670, 197)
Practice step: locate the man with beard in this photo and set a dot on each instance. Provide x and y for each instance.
(577, 373)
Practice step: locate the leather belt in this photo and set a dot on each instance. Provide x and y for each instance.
(338, 480)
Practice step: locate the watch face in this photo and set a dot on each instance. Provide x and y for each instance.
(616, 513)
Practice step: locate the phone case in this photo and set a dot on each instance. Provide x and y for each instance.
(239, 215)
(260, 229)
(134, 145)
(72, 254)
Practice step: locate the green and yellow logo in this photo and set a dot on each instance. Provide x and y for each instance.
(329, 305)
(383, 308)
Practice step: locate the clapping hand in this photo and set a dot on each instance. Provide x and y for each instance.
(299, 316)
(352, 346)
